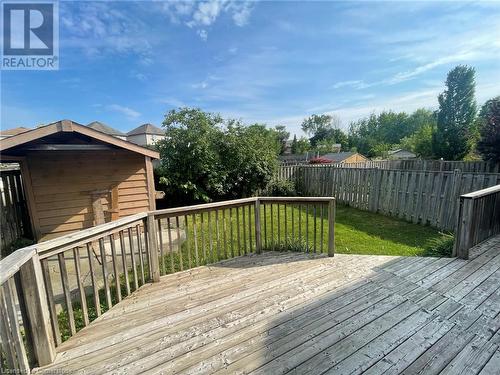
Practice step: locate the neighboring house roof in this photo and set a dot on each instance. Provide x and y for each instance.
(400, 150)
(68, 127)
(14, 131)
(338, 157)
(295, 157)
(103, 128)
(147, 129)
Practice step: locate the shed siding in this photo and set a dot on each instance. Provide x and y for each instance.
(62, 183)
(356, 158)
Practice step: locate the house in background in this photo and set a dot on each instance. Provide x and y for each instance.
(76, 177)
(11, 132)
(345, 157)
(146, 135)
(103, 128)
(401, 154)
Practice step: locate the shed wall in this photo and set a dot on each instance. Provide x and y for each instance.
(63, 181)
(356, 158)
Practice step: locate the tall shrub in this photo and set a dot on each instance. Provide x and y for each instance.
(206, 158)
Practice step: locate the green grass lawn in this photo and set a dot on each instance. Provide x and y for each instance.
(362, 232)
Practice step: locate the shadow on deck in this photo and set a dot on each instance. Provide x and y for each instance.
(292, 312)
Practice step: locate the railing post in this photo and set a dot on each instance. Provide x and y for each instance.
(37, 310)
(153, 247)
(258, 243)
(464, 229)
(331, 227)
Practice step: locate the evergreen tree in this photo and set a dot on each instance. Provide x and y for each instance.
(457, 110)
(294, 144)
(489, 122)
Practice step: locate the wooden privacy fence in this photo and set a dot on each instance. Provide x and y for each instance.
(15, 222)
(421, 165)
(431, 165)
(478, 219)
(51, 290)
(424, 197)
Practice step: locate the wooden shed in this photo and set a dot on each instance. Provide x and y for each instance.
(76, 177)
(345, 157)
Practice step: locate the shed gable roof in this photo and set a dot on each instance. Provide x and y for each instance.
(147, 129)
(68, 126)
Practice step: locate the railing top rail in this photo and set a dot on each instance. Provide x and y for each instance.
(482, 192)
(11, 264)
(63, 243)
(201, 207)
(296, 199)
(232, 203)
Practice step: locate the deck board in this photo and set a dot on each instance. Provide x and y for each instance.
(302, 313)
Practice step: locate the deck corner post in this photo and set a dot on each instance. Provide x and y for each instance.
(258, 242)
(37, 310)
(331, 227)
(152, 232)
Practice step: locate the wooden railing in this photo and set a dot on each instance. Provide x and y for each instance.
(478, 219)
(60, 286)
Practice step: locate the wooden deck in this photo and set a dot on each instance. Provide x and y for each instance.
(290, 312)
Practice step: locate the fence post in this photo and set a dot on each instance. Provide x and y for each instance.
(331, 227)
(258, 242)
(153, 247)
(37, 311)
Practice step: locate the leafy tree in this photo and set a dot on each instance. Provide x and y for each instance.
(281, 136)
(324, 129)
(457, 110)
(489, 122)
(420, 142)
(295, 144)
(303, 145)
(315, 123)
(205, 157)
(372, 135)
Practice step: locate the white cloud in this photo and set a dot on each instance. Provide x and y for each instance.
(356, 84)
(128, 112)
(203, 34)
(173, 102)
(138, 75)
(99, 28)
(201, 15)
(200, 85)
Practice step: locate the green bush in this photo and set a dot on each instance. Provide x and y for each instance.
(280, 188)
(440, 247)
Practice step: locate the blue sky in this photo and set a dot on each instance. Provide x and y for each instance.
(126, 63)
